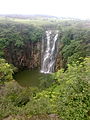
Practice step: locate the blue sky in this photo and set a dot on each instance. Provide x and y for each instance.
(61, 8)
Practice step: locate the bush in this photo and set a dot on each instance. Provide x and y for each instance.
(73, 102)
(6, 71)
(14, 98)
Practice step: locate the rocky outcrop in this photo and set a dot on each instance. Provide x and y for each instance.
(27, 56)
(59, 62)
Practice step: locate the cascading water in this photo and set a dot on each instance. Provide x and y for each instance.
(49, 54)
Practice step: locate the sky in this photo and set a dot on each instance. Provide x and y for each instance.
(60, 8)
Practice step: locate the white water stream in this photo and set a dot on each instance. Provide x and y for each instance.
(48, 58)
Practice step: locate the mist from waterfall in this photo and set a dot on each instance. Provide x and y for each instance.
(49, 52)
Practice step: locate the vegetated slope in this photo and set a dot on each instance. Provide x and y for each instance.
(65, 94)
(67, 97)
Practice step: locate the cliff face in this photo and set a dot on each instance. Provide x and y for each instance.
(27, 56)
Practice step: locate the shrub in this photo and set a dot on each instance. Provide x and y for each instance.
(14, 98)
(73, 102)
(6, 71)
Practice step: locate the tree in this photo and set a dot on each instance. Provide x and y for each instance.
(6, 71)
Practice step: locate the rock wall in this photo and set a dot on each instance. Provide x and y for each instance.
(27, 56)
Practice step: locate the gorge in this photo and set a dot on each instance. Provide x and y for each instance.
(44, 69)
(43, 45)
(44, 58)
(40, 53)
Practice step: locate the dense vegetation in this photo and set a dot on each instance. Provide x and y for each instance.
(66, 93)
(6, 71)
(17, 34)
(68, 96)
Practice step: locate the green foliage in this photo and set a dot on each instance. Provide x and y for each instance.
(46, 81)
(68, 96)
(38, 106)
(15, 100)
(16, 35)
(36, 34)
(6, 71)
(73, 102)
(75, 44)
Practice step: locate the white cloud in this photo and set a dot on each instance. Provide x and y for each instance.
(64, 8)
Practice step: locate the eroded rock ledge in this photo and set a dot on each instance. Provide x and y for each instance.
(27, 56)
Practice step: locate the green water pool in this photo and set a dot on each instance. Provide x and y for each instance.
(28, 78)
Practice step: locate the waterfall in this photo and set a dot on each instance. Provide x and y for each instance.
(49, 54)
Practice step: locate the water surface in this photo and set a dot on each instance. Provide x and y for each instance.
(28, 78)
